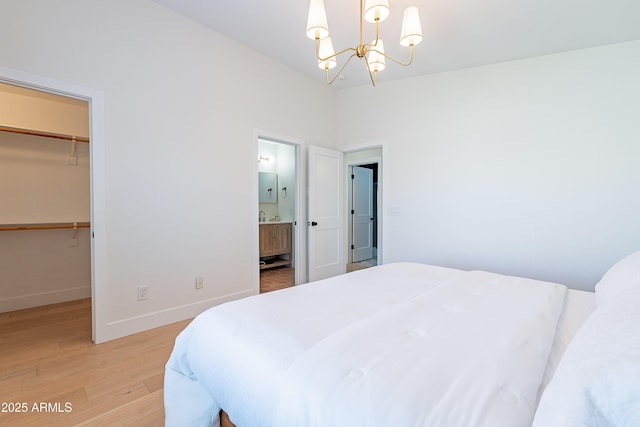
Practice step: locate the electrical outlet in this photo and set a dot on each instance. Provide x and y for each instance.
(199, 282)
(143, 293)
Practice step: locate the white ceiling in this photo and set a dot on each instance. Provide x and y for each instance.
(457, 33)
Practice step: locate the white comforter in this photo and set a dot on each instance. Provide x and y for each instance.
(401, 344)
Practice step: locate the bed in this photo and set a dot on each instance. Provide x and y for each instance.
(411, 344)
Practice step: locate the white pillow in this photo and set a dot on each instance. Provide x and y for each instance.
(623, 275)
(597, 382)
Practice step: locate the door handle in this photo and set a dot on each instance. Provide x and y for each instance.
(312, 223)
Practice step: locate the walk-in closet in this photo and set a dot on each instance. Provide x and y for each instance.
(45, 245)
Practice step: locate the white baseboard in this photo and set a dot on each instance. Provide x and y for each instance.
(120, 328)
(133, 325)
(44, 298)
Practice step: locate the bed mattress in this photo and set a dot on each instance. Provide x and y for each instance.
(401, 344)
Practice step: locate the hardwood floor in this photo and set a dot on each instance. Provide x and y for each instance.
(50, 369)
(361, 265)
(54, 375)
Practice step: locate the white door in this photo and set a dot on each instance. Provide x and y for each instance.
(325, 213)
(362, 213)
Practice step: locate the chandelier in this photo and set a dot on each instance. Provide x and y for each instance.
(374, 11)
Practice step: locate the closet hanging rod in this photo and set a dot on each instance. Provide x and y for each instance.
(21, 227)
(45, 134)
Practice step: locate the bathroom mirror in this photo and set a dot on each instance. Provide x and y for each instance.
(267, 187)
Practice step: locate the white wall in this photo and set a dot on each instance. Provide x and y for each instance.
(286, 179)
(527, 167)
(181, 104)
(282, 162)
(267, 149)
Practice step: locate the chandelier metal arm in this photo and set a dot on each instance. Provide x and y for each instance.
(361, 11)
(326, 69)
(394, 59)
(375, 43)
(372, 75)
(335, 55)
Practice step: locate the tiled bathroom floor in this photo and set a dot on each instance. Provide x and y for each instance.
(272, 279)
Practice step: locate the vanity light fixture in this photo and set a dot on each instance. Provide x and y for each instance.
(374, 11)
(265, 158)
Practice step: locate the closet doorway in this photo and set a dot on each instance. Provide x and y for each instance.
(277, 215)
(45, 194)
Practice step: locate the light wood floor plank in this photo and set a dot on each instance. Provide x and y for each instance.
(146, 411)
(47, 356)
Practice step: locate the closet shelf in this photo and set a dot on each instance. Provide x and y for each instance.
(44, 226)
(45, 134)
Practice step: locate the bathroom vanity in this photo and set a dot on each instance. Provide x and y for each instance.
(275, 244)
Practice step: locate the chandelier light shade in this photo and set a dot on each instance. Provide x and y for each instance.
(376, 60)
(376, 10)
(411, 33)
(317, 27)
(373, 11)
(325, 50)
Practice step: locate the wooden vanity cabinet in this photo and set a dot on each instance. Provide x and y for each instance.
(275, 245)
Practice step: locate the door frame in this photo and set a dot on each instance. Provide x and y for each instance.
(95, 99)
(297, 226)
(366, 160)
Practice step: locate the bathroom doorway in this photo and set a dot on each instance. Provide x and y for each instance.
(277, 213)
